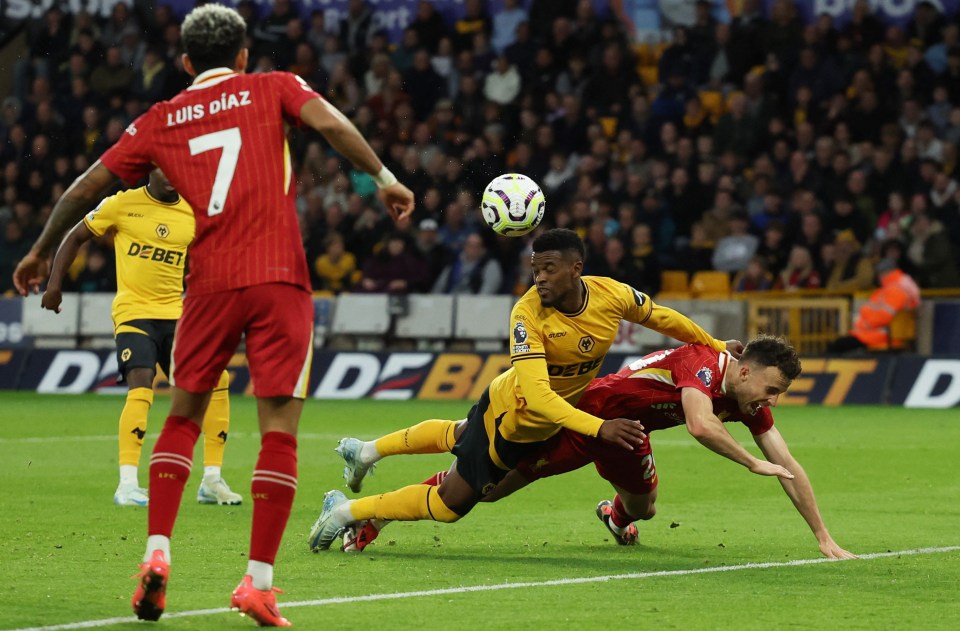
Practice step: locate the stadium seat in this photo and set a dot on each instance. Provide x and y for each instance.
(674, 281)
(482, 317)
(429, 316)
(903, 330)
(361, 314)
(40, 322)
(710, 284)
(96, 315)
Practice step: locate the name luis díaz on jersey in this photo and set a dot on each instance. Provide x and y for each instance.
(226, 101)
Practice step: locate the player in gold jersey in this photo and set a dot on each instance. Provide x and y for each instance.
(561, 330)
(152, 227)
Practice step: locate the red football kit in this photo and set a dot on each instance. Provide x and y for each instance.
(222, 144)
(647, 390)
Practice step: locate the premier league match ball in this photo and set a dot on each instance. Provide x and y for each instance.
(512, 204)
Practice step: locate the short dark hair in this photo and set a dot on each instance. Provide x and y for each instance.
(560, 239)
(213, 36)
(769, 350)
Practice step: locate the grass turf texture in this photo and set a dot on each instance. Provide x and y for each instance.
(885, 479)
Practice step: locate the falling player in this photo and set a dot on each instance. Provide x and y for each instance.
(561, 330)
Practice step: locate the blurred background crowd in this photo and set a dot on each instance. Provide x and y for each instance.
(788, 155)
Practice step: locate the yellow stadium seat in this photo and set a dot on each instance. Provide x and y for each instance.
(674, 281)
(710, 284)
(903, 330)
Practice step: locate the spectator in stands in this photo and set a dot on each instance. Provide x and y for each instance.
(502, 86)
(931, 254)
(800, 272)
(424, 85)
(472, 272)
(645, 259)
(754, 277)
(98, 275)
(850, 271)
(112, 76)
(430, 249)
(150, 78)
(336, 269)
(475, 20)
(505, 23)
(871, 329)
(734, 251)
(736, 130)
(355, 30)
(394, 269)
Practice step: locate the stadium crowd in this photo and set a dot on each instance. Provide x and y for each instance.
(789, 155)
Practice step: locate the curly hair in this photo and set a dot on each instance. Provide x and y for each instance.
(560, 239)
(769, 350)
(213, 36)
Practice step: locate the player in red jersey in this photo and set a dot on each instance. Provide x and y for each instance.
(694, 386)
(222, 143)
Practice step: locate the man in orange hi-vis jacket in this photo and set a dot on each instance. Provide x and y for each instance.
(871, 330)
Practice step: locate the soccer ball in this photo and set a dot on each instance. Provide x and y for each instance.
(512, 204)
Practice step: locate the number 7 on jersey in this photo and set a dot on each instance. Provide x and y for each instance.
(229, 141)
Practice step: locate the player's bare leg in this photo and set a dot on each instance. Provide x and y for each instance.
(273, 488)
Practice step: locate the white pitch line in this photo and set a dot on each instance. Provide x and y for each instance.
(106, 622)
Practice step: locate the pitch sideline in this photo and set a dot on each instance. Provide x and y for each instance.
(106, 622)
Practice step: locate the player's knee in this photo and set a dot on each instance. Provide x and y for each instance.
(648, 512)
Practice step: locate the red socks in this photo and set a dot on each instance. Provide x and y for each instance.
(621, 518)
(273, 487)
(435, 479)
(170, 467)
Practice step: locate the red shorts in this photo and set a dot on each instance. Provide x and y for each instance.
(277, 319)
(632, 471)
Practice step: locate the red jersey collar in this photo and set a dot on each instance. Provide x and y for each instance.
(724, 361)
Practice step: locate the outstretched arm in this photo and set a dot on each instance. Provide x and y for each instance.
(88, 188)
(346, 139)
(64, 257)
(707, 428)
(800, 491)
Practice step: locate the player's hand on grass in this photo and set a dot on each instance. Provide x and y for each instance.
(831, 550)
(762, 467)
(624, 432)
(51, 299)
(735, 348)
(398, 199)
(31, 271)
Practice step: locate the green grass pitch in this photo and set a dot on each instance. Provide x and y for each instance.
(886, 480)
